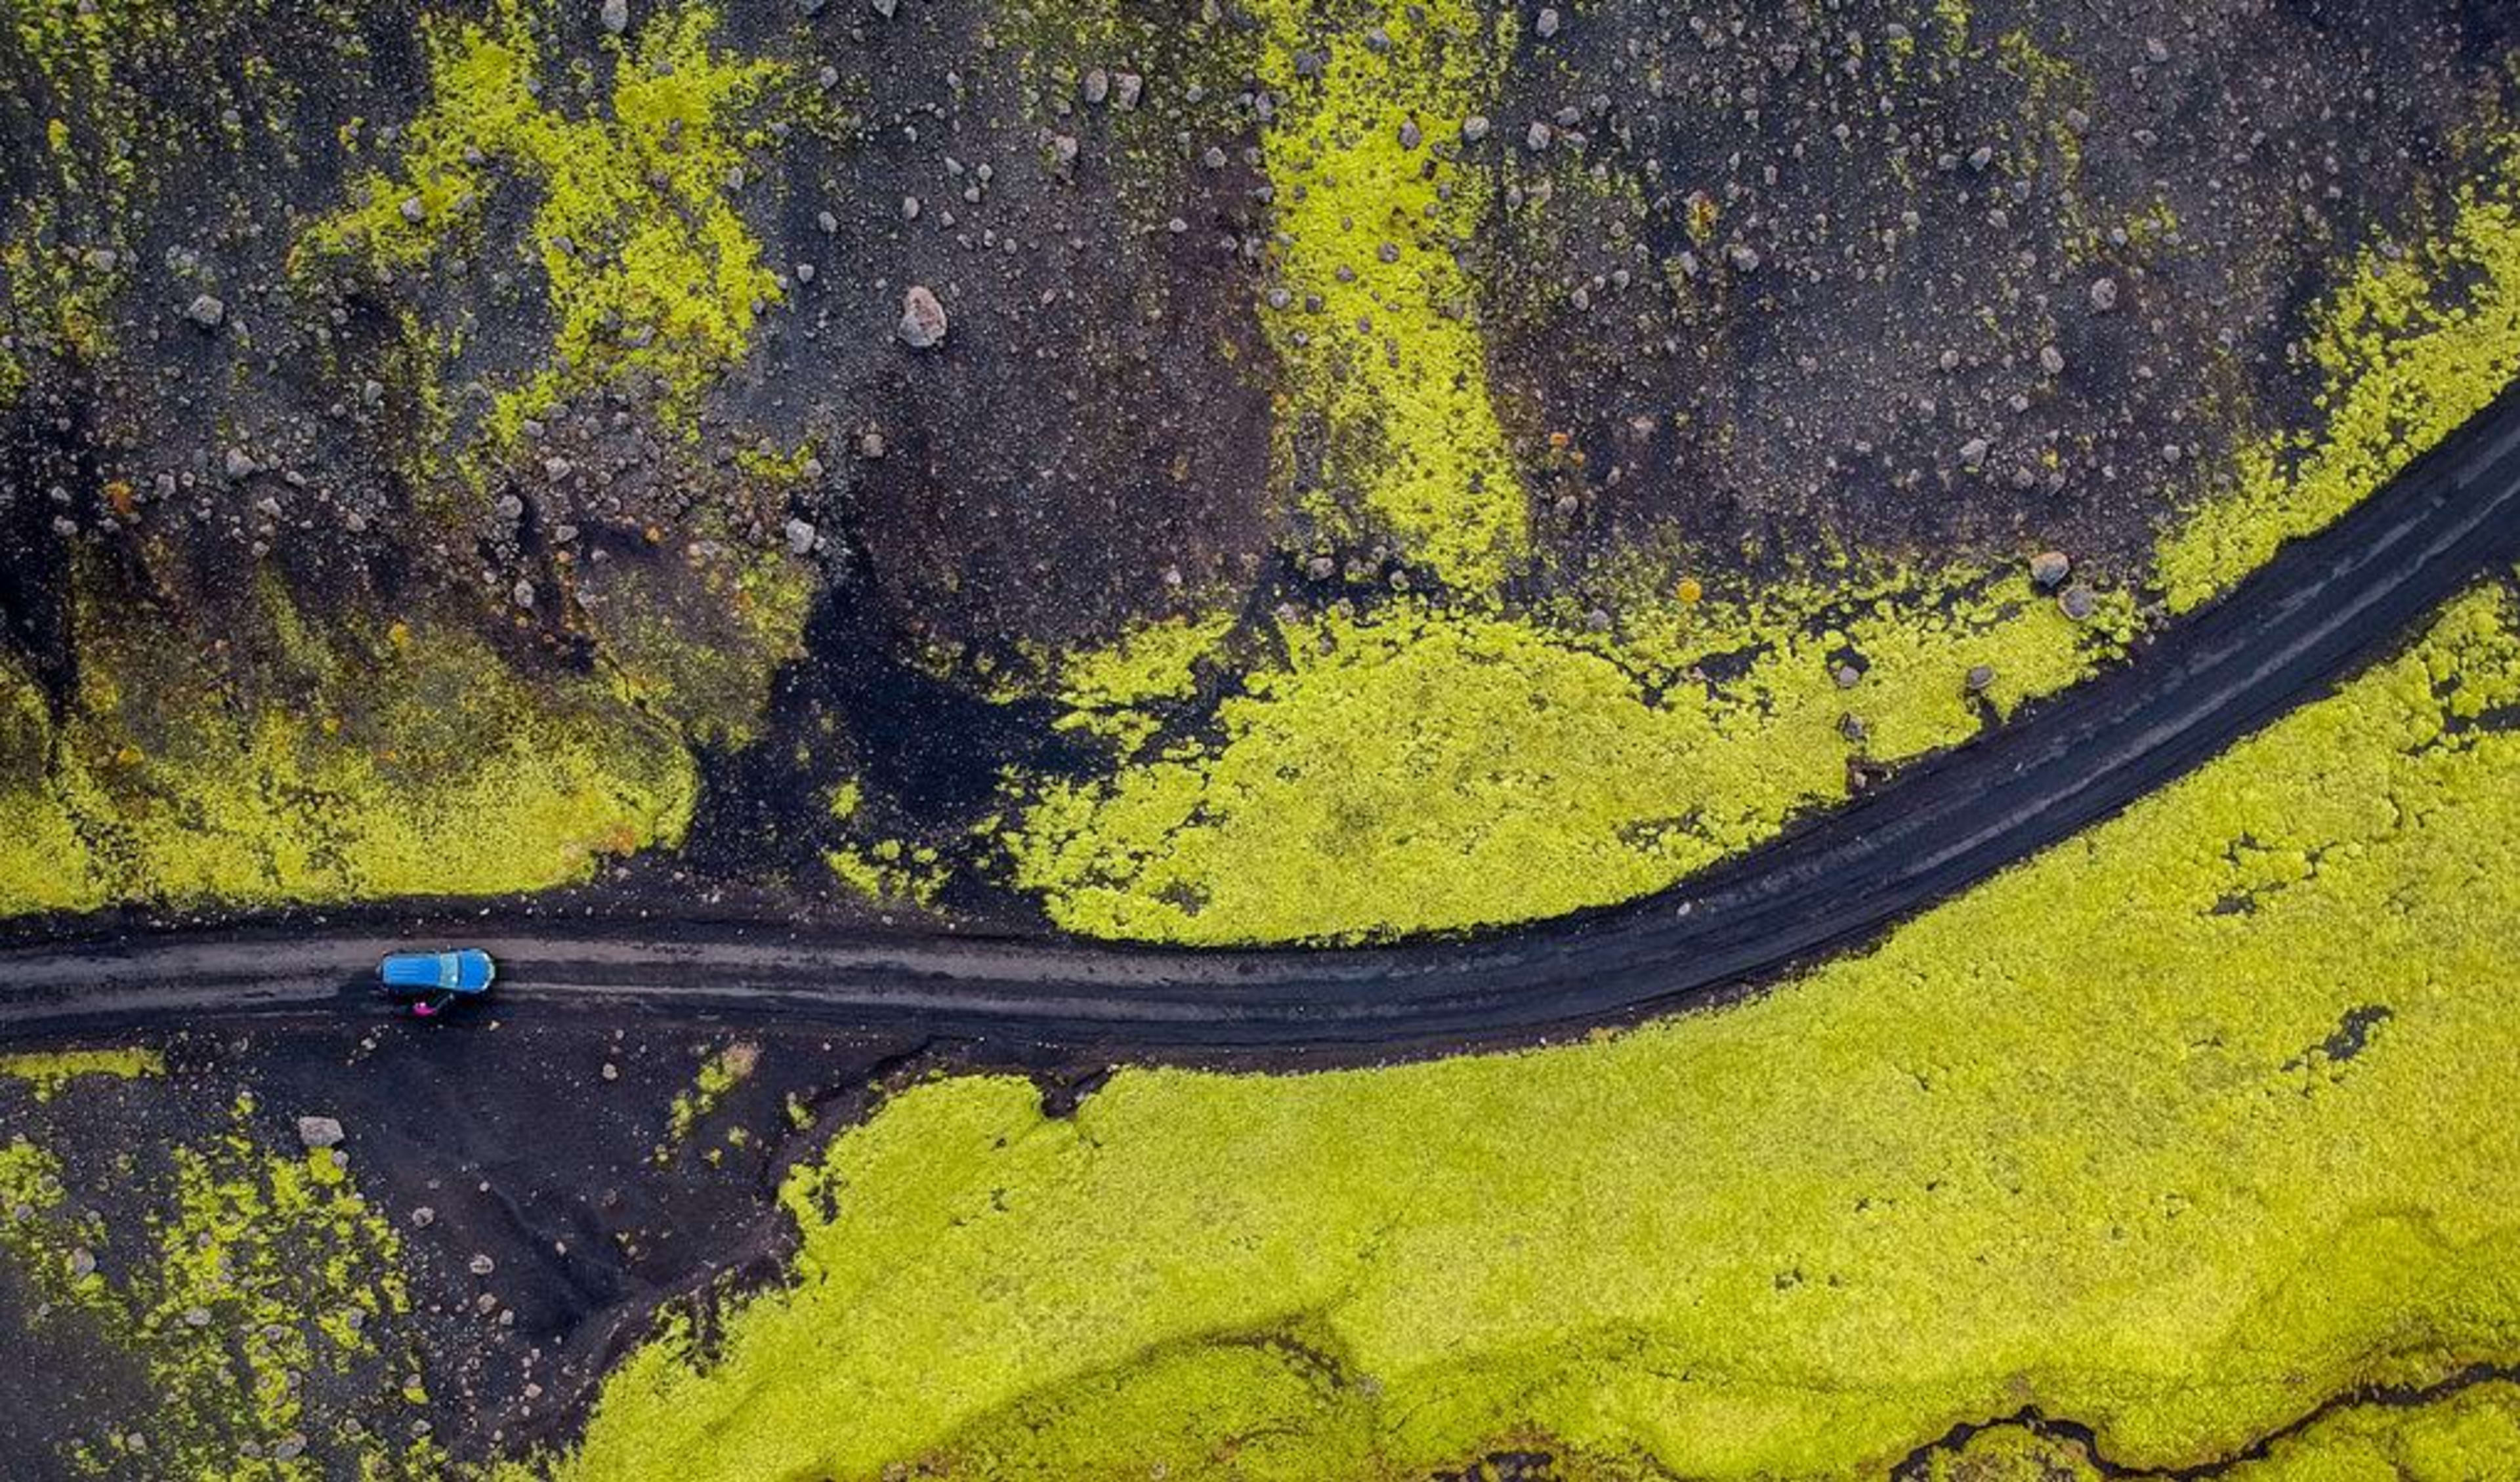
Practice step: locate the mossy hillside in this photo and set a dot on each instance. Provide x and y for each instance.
(343, 764)
(2410, 346)
(1422, 768)
(1448, 779)
(261, 1292)
(649, 267)
(1387, 376)
(2098, 1139)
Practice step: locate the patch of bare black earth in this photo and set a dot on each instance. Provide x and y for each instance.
(1798, 278)
(547, 1195)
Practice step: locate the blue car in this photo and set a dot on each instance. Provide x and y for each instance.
(431, 980)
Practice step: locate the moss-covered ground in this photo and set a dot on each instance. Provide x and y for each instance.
(2176, 1132)
(347, 764)
(1419, 768)
(1508, 432)
(257, 1295)
(650, 268)
(1434, 766)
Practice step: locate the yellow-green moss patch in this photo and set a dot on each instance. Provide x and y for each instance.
(352, 764)
(1424, 768)
(2471, 1435)
(258, 1274)
(648, 266)
(722, 1071)
(2411, 347)
(2101, 1138)
(1383, 367)
(48, 1071)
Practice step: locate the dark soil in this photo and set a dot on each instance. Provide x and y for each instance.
(518, 1144)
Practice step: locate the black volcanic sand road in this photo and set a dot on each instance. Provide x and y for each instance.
(2322, 606)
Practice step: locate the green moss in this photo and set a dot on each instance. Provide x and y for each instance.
(349, 765)
(1389, 376)
(48, 1071)
(1424, 768)
(698, 639)
(1112, 692)
(2469, 1436)
(1951, 18)
(879, 869)
(890, 869)
(2402, 358)
(648, 266)
(260, 1282)
(2092, 1140)
(721, 1072)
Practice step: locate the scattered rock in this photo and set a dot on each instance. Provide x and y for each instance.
(870, 446)
(922, 319)
(617, 16)
(2049, 570)
(884, 8)
(801, 536)
(319, 1132)
(1981, 677)
(483, 1265)
(1547, 25)
(1097, 85)
(422, 1216)
(2052, 360)
(1974, 454)
(1536, 138)
(1475, 128)
(82, 1262)
(239, 464)
(1410, 134)
(2104, 294)
(2156, 50)
(522, 593)
(2079, 603)
(207, 311)
(1743, 257)
(413, 210)
(1848, 676)
(1127, 88)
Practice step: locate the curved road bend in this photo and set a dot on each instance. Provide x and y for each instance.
(2324, 605)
